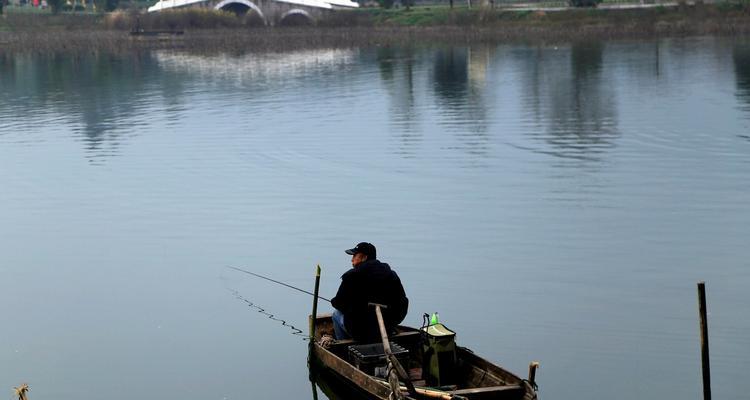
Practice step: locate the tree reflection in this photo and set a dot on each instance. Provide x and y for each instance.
(573, 100)
(741, 57)
(451, 75)
(459, 81)
(397, 73)
(100, 92)
(386, 57)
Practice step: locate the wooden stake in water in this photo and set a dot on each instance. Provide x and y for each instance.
(532, 373)
(704, 340)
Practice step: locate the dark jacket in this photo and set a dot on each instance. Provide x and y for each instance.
(370, 282)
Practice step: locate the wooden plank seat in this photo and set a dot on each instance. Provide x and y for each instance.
(398, 337)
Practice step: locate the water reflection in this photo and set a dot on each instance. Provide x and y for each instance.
(333, 386)
(566, 93)
(459, 80)
(396, 68)
(284, 157)
(254, 69)
(451, 76)
(106, 98)
(741, 57)
(256, 82)
(100, 94)
(569, 95)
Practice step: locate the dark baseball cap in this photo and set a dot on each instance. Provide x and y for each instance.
(367, 249)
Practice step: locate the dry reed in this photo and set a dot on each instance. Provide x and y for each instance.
(21, 391)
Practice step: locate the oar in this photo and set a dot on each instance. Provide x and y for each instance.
(389, 354)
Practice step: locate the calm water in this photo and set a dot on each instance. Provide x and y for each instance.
(551, 203)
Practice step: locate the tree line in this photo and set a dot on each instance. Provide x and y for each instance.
(62, 5)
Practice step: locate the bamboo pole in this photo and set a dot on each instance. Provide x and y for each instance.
(314, 315)
(702, 312)
(314, 390)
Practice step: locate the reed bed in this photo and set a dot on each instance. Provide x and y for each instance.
(215, 32)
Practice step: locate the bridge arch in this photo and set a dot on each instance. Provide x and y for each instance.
(231, 5)
(296, 16)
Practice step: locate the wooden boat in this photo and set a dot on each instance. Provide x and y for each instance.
(162, 34)
(474, 377)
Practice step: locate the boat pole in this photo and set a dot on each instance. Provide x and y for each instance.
(314, 315)
(704, 340)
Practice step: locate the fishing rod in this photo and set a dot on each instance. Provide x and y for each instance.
(275, 281)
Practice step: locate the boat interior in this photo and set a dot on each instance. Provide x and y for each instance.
(466, 374)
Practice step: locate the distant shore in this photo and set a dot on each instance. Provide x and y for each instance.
(208, 31)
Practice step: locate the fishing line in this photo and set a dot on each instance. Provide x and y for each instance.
(280, 283)
(295, 330)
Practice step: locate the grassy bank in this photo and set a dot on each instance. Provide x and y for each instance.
(216, 31)
(554, 18)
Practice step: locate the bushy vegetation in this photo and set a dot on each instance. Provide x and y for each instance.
(386, 3)
(704, 17)
(584, 3)
(74, 8)
(728, 6)
(180, 19)
(417, 16)
(106, 5)
(55, 5)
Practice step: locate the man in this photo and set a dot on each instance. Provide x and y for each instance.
(369, 281)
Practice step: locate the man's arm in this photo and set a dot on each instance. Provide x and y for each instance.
(343, 299)
(402, 302)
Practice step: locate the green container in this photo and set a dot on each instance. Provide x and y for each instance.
(439, 362)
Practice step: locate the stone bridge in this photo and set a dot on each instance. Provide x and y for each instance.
(272, 12)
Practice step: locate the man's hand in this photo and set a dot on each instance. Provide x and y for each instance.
(326, 341)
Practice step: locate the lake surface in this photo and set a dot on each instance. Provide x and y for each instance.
(552, 203)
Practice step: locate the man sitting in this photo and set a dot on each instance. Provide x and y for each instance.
(368, 281)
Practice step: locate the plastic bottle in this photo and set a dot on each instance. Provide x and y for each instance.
(434, 319)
